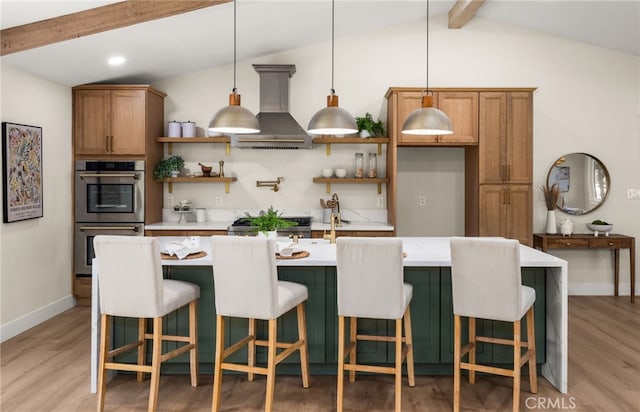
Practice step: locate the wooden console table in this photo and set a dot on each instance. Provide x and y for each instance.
(587, 241)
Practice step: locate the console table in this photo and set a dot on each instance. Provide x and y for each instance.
(585, 241)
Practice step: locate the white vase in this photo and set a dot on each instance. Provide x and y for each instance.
(272, 234)
(551, 229)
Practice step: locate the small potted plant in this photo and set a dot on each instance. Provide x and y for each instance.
(169, 167)
(267, 223)
(367, 127)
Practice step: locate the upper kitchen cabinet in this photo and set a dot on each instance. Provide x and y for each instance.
(460, 106)
(116, 120)
(506, 135)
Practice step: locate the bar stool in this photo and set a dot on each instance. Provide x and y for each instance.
(370, 285)
(246, 286)
(131, 285)
(487, 284)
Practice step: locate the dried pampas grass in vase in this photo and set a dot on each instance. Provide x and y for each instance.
(551, 195)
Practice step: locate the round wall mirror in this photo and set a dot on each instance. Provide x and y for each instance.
(583, 181)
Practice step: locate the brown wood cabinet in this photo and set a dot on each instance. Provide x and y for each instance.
(499, 171)
(119, 122)
(506, 211)
(317, 234)
(161, 232)
(460, 106)
(115, 120)
(495, 127)
(506, 133)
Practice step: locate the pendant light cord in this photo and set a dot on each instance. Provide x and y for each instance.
(333, 30)
(234, 47)
(427, 46)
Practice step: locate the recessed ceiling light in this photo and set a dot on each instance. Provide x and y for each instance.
(116, 60)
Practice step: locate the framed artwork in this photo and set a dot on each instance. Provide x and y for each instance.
(21, 172)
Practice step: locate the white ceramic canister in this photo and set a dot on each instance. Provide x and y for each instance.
(188, 129)
(174, 129)
(201, 215)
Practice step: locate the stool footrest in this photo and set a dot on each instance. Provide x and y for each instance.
(499, 341)
(487, 369)
(369, 368)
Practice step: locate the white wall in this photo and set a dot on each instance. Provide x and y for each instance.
(36, 254)
(587, 100)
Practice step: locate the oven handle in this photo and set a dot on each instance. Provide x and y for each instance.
(133, 175)
(133, 228)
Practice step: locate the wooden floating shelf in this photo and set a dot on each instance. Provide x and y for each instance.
(189, 179)
(351, 140)
(352, 180)
(219, 139)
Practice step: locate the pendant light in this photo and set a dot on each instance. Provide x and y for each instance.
(234, 118)
(332, 120)
(427, 120)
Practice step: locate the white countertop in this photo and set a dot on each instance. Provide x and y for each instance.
(421, 252)
(224, 224)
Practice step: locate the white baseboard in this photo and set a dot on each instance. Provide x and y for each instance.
(598, 289)
(16, 327)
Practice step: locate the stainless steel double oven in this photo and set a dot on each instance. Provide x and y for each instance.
(109, 200)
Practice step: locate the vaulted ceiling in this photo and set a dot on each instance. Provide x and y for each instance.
(174, 37)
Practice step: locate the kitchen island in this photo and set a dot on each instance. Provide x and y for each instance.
(427, 267)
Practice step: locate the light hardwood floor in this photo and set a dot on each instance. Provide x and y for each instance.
(47, 369)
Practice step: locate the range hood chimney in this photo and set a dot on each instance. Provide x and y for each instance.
(279, 130)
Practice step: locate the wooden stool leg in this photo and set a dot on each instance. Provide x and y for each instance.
(398, 365)
(472, 351)
(456, 363)
(340, 393)
(251, 348)
(353, 337)
(105, 328)
(142, 348)
(409, 342)
(217, 368)
(531, 342)
(302, 335)
(193, 340)
(271, 364)
(156, 359)
(516, 365)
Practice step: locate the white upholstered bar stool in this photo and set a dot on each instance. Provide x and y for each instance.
(370, 285)
(487, 284)
(246, 286)
(131, 285)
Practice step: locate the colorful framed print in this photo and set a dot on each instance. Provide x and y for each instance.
(21, 172)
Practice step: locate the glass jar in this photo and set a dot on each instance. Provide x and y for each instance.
(372, 171)
(359, 165)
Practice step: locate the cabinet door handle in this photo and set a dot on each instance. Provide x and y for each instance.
(508, 196)
(106, 144)
(111, 145)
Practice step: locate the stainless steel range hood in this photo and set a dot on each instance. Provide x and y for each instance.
(279, 130)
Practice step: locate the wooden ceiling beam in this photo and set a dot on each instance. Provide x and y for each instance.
(92, 21)
(462, 12)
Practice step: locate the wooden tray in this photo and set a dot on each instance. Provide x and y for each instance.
(296, 255)
(196, 255)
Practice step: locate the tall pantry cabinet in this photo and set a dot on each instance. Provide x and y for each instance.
(119, 122)
(499, 197)
(495, 127)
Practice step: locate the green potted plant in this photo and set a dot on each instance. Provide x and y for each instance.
(367, 127)
(168, 167)
(269, 222)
